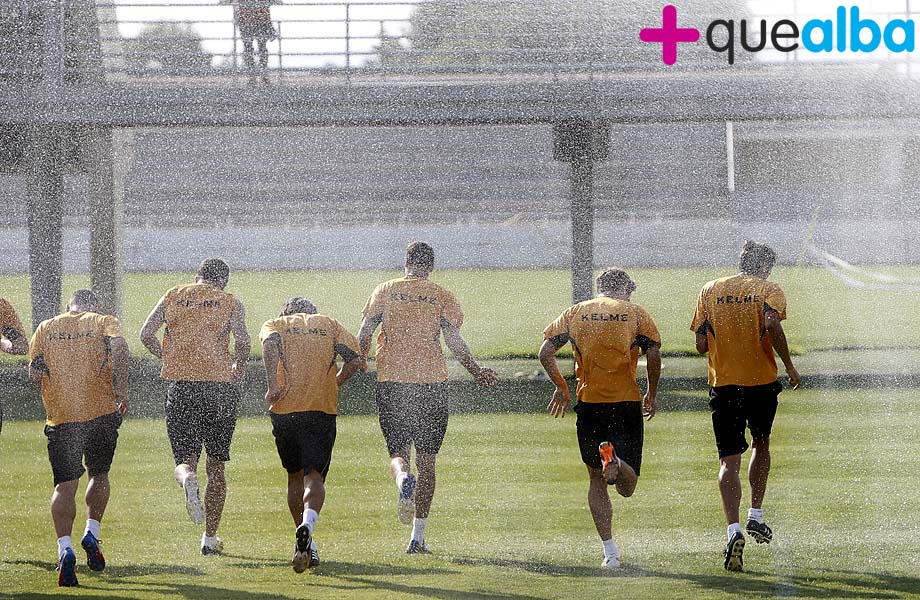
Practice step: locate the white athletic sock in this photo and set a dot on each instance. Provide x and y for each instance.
(313, 545)
(208, 541)
(734, 527)
(400, 479)
(756, 514)
(309, 519)
(63, 544)
(92, 526)
(610, 549)
(418, 529)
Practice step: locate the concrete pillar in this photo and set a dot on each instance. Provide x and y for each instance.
(46, 221)
(582, 228)
(581, 142)
(108, 155)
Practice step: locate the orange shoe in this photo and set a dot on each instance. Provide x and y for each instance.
(610, 466)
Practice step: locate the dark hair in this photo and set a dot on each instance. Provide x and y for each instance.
(420, 254)
(298, 305)
(615, 281)
(756, 258)
(83, 298)
(214, 270)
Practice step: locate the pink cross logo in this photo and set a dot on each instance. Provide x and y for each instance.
(669, 35)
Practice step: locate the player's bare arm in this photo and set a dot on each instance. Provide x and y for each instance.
(120, 372)
(653, 369)
(242, 344)
(778, 338)
(155, 320)
(13, 342)
(366, 333)
(460, 350)
(561, 396)
(348, 369)
(271, 355)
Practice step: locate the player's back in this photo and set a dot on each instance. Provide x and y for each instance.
(413, 311)
(740, 352)
(197, 337)
(606, 334)
(307, 370)
(77, 385)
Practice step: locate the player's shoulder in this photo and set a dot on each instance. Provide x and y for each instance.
(772, 287)
(5, 304)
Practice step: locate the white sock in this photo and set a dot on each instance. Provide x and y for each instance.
(400, 479)
(309, 519)
(734, 527)
(313, 545)
(756, 514)
(92, 526)
(208, 541)
(610, 549)
(418, 529)
(63, 544)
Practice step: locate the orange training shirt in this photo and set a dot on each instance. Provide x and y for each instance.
(78, 385)
(196, 345)
(606, 334)
(732, 311)
(413, 310)
(9, 320)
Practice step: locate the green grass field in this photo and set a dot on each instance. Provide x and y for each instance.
(510, 519)
(506, 311)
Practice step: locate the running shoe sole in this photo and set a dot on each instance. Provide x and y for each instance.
(405, 506)
(68, 570)
(609, 465)
(302, 559)
(193, 500)
(733, 554)
(94, 559)
(760, 532)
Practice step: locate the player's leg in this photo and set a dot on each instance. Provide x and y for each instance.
(263, 57)
(102, 438)
(428, 424)
(65, 453)
(394, 424)
(729, 424)
(316, 442)
(220, 401)
(761, 406)
(184, 427)
(592, 428)
(627, 435)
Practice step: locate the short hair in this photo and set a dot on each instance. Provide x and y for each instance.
(214, 270)
(756, 257)
(616, 281)
(83, 298)
(297, 305)
(420, 254)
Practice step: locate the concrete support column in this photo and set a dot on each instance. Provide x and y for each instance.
(108, 157)
(582, 228)
(581, 142)
(46, 221)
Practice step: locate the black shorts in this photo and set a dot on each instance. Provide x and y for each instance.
(736, 407)
(304, 440)
(619, 423)
(255, 23)
(70, 443)
(412, 414)
(201, 413)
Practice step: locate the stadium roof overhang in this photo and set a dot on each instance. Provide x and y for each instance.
(790, 92)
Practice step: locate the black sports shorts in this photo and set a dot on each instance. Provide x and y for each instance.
(304, 440)
(619, 423)
(70, 443)
(201, 413)
(736, 407)
(412, 413)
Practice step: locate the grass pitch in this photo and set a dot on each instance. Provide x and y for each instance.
(510, 519)
(506, 311)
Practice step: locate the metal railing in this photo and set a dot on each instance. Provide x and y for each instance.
(353, 39)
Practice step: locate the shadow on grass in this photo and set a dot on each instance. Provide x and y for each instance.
(820, 583)
(118, 570)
